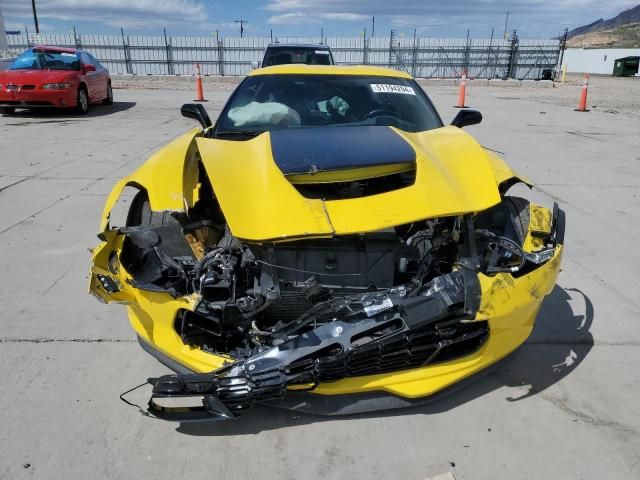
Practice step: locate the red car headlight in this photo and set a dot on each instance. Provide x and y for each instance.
(56, 86)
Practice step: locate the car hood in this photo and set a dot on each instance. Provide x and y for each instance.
(453, 175)
(33, 76)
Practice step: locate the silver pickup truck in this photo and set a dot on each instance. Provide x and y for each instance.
(283, 53)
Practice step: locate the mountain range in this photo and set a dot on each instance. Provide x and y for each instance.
(631, 15)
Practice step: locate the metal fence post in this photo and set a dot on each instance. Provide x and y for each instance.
(414, 58)
(365, 52)
(465, 59)
(168, 52)
(563, 46)
(125, 49)
(392, 37)
(221, 57)
(513, 49)
(76, 39)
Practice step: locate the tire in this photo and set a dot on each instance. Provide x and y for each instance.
(510, 218)
(109, 99)
(7, 110)
(82, 101)
(519, 212)
(141, 215)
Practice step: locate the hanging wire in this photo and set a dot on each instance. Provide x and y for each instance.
(140, 409)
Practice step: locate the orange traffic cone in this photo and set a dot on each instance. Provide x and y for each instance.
(199, 92)
(582, 106)
(462, 91)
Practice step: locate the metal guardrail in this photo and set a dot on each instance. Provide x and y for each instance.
(422, 57)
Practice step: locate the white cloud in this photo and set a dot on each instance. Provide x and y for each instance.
(284, 5)
(127, 13)
(295, 18)
(344, 16)
(447, 11)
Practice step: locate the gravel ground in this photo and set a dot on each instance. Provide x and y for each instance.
(607, 94)
(615, 95)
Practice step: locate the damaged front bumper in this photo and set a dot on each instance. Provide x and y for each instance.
(381, 350)
(504, 317)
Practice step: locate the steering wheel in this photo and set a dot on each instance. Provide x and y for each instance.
(380, 111)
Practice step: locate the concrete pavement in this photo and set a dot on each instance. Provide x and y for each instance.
(563, 406)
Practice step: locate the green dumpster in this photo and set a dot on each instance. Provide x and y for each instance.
(626, 66)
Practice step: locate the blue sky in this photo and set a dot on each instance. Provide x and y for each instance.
(437, 18)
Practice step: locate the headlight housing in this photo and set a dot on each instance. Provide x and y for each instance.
(56, 86)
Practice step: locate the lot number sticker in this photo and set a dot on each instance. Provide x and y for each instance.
(387, 88)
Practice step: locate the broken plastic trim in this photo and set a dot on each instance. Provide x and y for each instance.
(334, 350)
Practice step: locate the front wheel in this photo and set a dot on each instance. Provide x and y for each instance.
(109, 98)
(82, 103)
(7, 110)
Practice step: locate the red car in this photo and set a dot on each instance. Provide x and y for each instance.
(58, 77)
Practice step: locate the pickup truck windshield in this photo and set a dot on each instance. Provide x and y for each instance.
(269, 102)
(307, 55)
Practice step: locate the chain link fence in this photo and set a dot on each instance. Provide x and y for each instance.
(421, 57)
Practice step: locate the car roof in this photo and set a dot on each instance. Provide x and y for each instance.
(303, 69)
(56, 49)
(300, 45)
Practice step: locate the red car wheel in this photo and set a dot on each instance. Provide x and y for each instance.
(82, 102)
(109, 98)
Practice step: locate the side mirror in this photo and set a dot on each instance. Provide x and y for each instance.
(88, 68)
(466, 117)
(255, 65)
(196, 112)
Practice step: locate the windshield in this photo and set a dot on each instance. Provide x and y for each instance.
(268, 102)
(284, 55)
(46, 60)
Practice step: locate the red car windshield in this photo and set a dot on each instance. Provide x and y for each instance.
(46, 60)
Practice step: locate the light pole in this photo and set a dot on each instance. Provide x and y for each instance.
(35, 15)
(3, 36)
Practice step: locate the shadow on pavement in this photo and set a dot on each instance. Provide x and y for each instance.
(63, 115)
(559, 342)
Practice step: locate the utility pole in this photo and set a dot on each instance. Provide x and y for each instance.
(241, 22)
(4, 47)
(506, 23)
(35, 15)
(373, 27)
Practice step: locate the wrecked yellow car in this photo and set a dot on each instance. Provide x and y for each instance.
(327, 246)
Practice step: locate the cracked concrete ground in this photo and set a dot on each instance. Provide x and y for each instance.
(565, 405)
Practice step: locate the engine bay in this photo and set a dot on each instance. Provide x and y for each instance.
(303, 311)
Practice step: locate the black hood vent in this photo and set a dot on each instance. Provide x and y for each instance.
(310, 150)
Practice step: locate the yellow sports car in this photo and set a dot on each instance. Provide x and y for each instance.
(328, 246)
